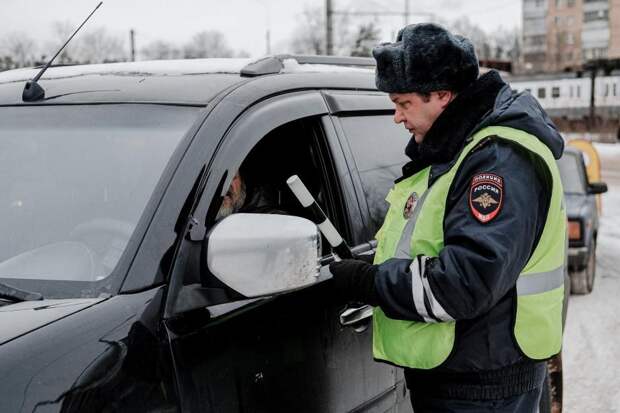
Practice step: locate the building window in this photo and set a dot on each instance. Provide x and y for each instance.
(578, 91)
(595, 15)
(570, 38)
(606, 90)
(596, 53)
(541, 92)
(528, 90)
(570, 91)
(555, 92)
(615, 90)
(562, 3)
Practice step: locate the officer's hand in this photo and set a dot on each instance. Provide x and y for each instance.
(354, 280)
(367, 258)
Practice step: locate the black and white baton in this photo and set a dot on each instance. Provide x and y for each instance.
(317, 216)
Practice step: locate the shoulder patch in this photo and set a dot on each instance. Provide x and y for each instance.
(486, 196)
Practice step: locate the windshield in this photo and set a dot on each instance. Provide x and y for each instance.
(571, 174)
(75, 180)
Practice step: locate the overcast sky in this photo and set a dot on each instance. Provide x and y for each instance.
(243, 22)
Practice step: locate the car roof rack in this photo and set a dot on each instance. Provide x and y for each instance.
(274, 64)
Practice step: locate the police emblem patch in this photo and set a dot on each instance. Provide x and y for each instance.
(410, 205)
(486, 196)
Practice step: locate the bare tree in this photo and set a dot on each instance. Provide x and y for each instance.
(209, 43)
(61, 30)
(6, 63)
(97, 46)
(475, 34)
(309, 37)
(506, 44)
(161, 50)
(366, 38)
(20, 48)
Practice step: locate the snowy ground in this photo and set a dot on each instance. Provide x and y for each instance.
(592, 337)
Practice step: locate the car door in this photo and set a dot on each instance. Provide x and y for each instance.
(283, 353)
(373, 147)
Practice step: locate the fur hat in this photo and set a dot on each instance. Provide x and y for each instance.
(425, 57)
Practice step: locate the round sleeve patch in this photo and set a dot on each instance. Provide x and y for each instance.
(486, 195)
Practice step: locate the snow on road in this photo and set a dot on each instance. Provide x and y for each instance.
(592, 337)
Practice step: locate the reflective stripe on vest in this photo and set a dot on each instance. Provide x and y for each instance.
(540, 282)
(540, 286)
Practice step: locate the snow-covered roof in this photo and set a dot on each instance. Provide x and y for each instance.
(292, 66)
(167, 68)
(191, 81)
(143, 68)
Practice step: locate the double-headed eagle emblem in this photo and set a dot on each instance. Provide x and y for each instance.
(485, 200)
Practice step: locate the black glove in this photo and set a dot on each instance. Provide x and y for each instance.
(354, 280)
(367, 258)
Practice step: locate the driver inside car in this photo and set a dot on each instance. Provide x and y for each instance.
(248, 197)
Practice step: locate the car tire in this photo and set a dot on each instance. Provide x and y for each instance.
(582, 281)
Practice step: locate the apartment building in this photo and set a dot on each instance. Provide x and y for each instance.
(560, 35)
(564, 48)
(534, 49)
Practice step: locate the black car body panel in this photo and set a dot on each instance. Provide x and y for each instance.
(106, 357)
(36, 314)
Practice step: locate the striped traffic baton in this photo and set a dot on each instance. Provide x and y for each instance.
(340, 247)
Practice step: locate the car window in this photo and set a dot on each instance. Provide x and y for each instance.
(378, 147)
(572, 174)
(75, 180)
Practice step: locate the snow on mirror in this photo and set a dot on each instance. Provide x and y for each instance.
(262, 254)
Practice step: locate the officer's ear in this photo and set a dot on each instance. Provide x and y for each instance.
(444, 97)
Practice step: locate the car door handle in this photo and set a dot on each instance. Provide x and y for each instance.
(354, 316)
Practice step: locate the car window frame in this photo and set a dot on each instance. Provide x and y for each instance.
(354, 103)
(261, 118)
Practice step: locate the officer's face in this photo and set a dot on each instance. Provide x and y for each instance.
(417, 112)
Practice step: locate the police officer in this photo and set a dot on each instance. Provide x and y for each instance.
(468, 278)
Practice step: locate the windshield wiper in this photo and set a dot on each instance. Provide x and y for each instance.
(8, 292)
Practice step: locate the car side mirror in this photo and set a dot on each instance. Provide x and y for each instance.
(264, 254)
(597, 188)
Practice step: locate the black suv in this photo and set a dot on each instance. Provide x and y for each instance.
(111, 186)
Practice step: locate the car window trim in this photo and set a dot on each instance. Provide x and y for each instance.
(261, 118)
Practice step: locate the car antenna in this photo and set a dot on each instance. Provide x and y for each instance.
(33, 91)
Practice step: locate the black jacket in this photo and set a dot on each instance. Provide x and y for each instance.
(474, 277)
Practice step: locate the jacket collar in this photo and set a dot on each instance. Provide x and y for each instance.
(447, 137)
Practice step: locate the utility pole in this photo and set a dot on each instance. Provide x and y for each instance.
(406, 14)
(329, 41)
(132, 43)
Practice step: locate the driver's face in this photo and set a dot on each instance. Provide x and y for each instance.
(234, 198)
